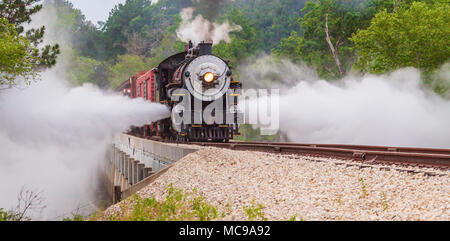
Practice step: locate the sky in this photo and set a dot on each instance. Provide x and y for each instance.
(96, 10)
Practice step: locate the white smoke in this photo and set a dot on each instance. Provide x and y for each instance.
(391, 109)
(197, 29)
(264, 71)
(53, 136)
(441, 80)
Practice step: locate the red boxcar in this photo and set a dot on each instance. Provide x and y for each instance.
(143, 85)
(125, 88)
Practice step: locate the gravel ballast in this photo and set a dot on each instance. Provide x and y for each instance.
(303, 187)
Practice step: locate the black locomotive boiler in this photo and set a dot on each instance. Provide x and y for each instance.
(200, 92)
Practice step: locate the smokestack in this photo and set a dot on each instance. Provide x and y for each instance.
(205, 48)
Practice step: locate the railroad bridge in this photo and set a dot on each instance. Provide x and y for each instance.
(132, 163)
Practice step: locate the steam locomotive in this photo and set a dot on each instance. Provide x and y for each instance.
(200, 92)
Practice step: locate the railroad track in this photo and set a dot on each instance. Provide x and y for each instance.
(417, 157)
(403, 156)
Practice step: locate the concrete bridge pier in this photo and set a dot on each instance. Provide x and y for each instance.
(132, 163)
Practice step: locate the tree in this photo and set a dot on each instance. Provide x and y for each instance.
(16, 56)
(18, 12)
(117, 28)
(28, 202)
(410, 37)
(167, 46)
(323, 39)
(439, 80)
(291, 47)
(82, 70)
(272, 19)
(243, 43)
(69, 27)
(126, 66)
(327, 26)
(140, 18)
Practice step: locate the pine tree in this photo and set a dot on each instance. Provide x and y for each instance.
(18, 12)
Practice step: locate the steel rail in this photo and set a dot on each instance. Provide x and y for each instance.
(405, 156)
(362, 147)
(421, 157)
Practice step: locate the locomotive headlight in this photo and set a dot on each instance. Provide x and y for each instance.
(208, 77)
(208, 80)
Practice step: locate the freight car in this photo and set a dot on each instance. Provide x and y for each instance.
(200, 92)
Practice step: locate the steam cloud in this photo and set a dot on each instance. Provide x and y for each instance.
(202, 28)
(52, 138)
(392, 109)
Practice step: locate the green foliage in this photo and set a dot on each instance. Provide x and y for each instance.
(82, 70)
(344, 18)
(291, 47)
(126, 66)
(294, 218)
(255, 212)
(120, 18)
(75, 218)
(143, 17)
(12, 216)
(439, 80)
(263, 24)
(203, 210)
(393, 6)
(82, 47)
(248, 133)
(18, 12)
(243, 43)
(138, 35)
(17, 55)
(339, 199)
(168, 46)
(177, 206)
(71, 28)
(384, 202)
(3, 215)
(364, 192)
(417, 36)
(27, 202)
(271, 20)
(7, 216)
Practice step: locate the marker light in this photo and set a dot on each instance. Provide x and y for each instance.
(208, 77)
